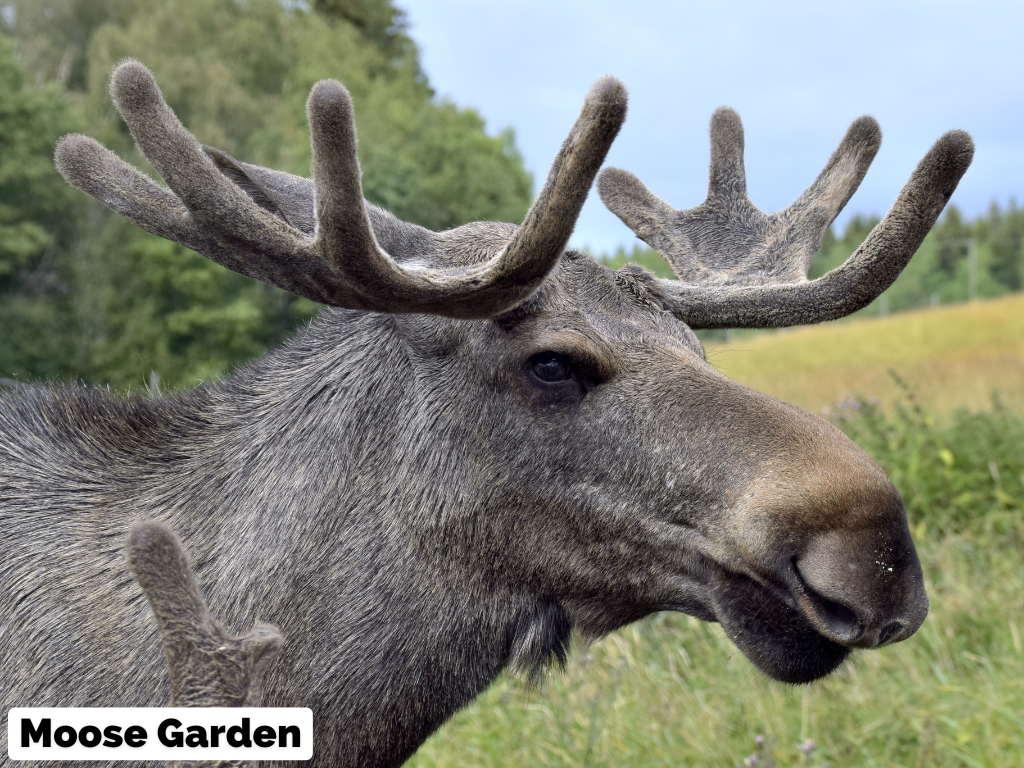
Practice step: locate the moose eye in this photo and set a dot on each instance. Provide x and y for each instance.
(550, 368)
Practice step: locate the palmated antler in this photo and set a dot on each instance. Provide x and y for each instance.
(209, 667)
(216, 208)
(740, 268)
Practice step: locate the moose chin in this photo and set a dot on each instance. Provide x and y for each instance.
(483, 444)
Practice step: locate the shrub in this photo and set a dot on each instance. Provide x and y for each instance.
(961, 474)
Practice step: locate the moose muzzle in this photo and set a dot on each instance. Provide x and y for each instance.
(825, 562)
(862, 589)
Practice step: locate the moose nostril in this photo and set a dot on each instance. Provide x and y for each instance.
(860, 588)
(843, 623)
(889, 631)
(835, 620)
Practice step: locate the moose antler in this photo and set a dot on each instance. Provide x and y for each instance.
(210, 209)
(209, 667)
(740, 268)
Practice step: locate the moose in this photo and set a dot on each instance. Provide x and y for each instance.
(483, 445)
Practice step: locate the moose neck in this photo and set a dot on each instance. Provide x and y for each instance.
(384, 626)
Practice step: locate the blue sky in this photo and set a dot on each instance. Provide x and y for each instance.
(797, 72)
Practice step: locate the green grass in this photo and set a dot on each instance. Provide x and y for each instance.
(671, 690)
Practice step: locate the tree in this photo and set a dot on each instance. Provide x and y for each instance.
(1006, 239)
(238, 74)
(37, 214)
(377, 20)
(53, 35)
(835, 250)
(951, 234)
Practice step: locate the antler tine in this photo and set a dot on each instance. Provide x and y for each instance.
(727, 179)
(727, 240)
(202, 209)
(89, 166)
(505, 279)
(212, 210)
(821, 202)
(552, 217)
(741, 268)
(208, 666)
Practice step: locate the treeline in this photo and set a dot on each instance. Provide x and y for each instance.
(959, 260)
(86, 296)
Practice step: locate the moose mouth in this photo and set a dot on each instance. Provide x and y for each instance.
(767, 626)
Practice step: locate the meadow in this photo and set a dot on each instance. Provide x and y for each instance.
(950, 356)
(671, 690)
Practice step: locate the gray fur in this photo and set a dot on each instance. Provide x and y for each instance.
(407, 497)
(738, 267)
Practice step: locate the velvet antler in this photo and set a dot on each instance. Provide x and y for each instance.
(211, 209)
(209, 667)
(740, 268)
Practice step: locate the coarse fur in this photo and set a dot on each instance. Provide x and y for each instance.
(344, 489)
(423, 495)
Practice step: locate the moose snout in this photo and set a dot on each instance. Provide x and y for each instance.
(823, 522)
(861, 589)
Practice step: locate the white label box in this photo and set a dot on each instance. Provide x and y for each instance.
(160, 733)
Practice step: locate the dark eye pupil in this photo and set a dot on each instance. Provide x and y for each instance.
(551, 369)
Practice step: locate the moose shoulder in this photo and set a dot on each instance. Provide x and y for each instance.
(485, 442)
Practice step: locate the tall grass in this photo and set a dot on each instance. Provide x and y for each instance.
(671, 690)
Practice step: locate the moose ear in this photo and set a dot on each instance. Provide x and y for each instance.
(292, 198)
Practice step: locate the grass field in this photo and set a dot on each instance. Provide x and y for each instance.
(673, 691)
(950, 356)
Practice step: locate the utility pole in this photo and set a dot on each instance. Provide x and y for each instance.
(972, 269)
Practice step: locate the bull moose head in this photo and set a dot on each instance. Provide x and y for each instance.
(493, 441)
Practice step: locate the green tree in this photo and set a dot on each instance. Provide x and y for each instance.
(951, 235)
(643, 255)
(53, 35)
(1005, 236)
(835, 250)
(378, 20)
(37, 214)
(238, 74)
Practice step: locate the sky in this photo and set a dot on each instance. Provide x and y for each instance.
(798, 73)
